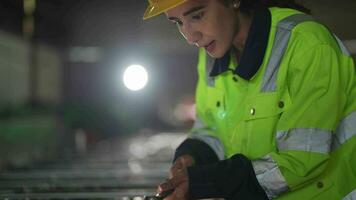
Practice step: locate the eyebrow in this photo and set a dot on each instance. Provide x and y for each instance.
(194, 9)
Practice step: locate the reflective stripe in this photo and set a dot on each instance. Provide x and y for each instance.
(200, 132)
(345, 131)
(342, 46)
(198, 123)
(280, 44)
(350, 46)
(305, 139)
(209, 66)
(269, 176)
(350, 196)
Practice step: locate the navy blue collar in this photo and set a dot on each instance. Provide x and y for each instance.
(254, 51)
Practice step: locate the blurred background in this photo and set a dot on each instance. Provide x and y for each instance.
(69, 126)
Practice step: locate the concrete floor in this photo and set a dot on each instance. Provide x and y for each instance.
(114, 170)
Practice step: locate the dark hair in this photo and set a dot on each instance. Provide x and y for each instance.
(249, 6)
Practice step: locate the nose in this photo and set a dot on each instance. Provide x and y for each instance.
(191, 34)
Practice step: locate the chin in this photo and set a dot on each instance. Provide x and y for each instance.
(216, 55)
(218, 52)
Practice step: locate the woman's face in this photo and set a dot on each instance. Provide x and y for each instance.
(206, 23)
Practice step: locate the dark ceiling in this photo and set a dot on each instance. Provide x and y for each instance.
(111, 22)
(84, 22)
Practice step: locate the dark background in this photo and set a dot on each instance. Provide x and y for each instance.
(62, 98)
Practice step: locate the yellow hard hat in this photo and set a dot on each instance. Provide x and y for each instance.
(157, 7)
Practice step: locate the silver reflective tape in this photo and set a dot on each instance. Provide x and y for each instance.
(214, 143)
(350, 196)
(269, 176)
(292, 21)
(345, 131)
(279, 47)
(200, 132)
(198, 123)
(209, 66)
(305, 139)
(350, 46)
(342, 46)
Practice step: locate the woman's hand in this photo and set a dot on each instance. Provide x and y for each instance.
(179, 182)
(178, 178)
(180, 163)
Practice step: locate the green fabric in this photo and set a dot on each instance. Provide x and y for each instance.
(316, 84)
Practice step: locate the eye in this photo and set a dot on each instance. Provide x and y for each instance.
(198, 16)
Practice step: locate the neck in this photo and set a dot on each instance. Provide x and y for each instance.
(244, 24)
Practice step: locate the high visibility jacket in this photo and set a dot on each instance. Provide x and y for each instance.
(295, 118)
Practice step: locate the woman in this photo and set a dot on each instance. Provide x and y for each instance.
(276, 109)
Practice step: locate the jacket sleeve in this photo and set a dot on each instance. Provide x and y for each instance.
(216, 177)
(233, 178)
(202, 133)
(305, 130)
(200, 151)
(202, 144)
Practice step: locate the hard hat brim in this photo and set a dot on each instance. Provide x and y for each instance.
(154, 10)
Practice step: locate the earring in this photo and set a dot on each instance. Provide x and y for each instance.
(236, 4)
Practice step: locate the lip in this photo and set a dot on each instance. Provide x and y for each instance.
(210, 47)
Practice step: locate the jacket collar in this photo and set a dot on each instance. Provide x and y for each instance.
(254, 51)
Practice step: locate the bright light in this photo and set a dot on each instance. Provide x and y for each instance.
(135, 77)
